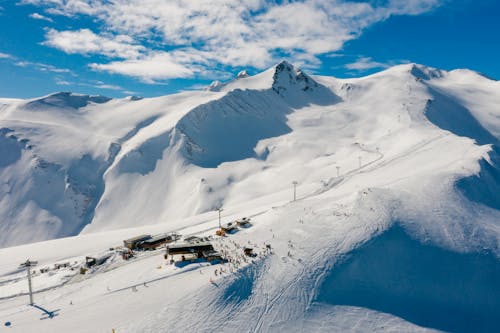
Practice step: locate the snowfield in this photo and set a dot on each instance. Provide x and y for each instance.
(395, 226)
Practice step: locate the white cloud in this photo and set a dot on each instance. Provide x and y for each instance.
(66, 7)
(93, 84)
(108, 86)
(157, 66)
(42, 67)
(62, 82)
(36, 65)
(37, 16)
(365, 63)
(205, 34)
(84, 41)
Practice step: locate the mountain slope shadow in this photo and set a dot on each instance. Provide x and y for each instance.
(229, 129)
(484, 187)
(421, 283)
(10, 148)
(444, 112)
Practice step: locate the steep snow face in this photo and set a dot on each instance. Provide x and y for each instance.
(229, 129)
(55, 151)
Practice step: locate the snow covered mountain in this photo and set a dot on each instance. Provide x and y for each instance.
(398, 175)
(75, 162)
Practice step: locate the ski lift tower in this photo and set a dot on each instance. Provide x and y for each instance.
(28, 264)
(294, 190)
(220, 210)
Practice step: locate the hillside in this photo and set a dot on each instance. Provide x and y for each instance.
(396, 226)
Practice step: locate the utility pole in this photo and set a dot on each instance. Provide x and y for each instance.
(294, 190)
(220, 210)
(28, 264)
(338, 171)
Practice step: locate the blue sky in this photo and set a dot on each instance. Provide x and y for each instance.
(157, 47)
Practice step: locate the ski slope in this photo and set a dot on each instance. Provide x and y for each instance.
(397, 202)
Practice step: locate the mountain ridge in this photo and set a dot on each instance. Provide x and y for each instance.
(203, 132)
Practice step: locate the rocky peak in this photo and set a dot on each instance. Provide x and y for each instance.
(287, 76)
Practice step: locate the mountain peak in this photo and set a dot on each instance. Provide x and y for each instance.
(287, 76)
(425, 73)
(215, 86)
(242, 74)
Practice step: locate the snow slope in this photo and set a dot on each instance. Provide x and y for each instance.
(398, 179)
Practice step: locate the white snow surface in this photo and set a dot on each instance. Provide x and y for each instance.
(78, 174)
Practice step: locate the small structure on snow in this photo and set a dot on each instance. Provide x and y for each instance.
(243, 222)
(126, 253)
(156, 241)
(212, 256)
(61, 265)
(132, 243)
(187, 248)
(228, 227)
(193, 239)
(96, 261)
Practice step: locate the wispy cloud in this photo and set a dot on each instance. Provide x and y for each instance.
(37, 16)
(102, 85)
(35, 65)
(42, 67)
(129, 92)
(158, 39)
(62, 82)
(366, 63)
